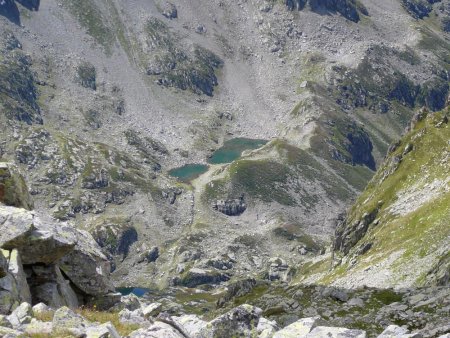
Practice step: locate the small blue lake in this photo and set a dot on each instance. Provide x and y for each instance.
(137, 291)
(188, 172)
(233, 149)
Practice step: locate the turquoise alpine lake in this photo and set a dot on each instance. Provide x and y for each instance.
(233, 149)
(188, 172)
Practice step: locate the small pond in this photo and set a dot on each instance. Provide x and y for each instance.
(137, 291)
(188, 172)
(232, 149)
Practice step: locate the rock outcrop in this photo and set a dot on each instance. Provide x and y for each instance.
(13, 190)
(349, 9)
(45, 261)
(231, 207)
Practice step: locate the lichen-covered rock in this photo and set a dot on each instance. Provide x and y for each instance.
(105, 330)
(335, 332)
(87, 267)
(65, 320)
(37, 327)
(191, 324)
(157, 330)
(240, 321)
(15, 268)
(42, 309)
(266, 328)
(36, 241)
(13, 189)
(152, 310)
(300, 328)
(21, 315)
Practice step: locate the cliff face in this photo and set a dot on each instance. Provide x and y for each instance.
(397, 232)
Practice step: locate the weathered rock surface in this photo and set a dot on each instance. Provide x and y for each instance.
(13, 190)
(36, 241)
(239, 321)
(300, 328)
(232, 207)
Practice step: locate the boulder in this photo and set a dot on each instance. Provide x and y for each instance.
(36, 240)
(266, 328)
(37, 327)
(6, 332)
(130, 302)
(131, 317)
(106, 330)
(15, 268)
(152, 310)
(87, 267)
(191, 324)
(65, 320)
(231, 207)
(157, 330)
(279, 270)
(13, 189)
(393, 331)
(335, 332)
(240, 321)
(3, 265)
(169, 10)
(300, 328)
(5, 322)
(9, 294)
(21, 315)
(41, 309)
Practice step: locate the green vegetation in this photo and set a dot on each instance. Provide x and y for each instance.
(91, 17)
(417, 230)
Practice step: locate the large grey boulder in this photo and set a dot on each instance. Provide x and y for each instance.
(37, 327)
(394, 331)
(106, 330)
(266, 328)
(158, 330)
(36, 240)
(87, 267)
(132, 317)
(240, 321)
(300, 328)
(335, 332)
(67, 321)
(191, 324)
(21, 315)
(15, 268)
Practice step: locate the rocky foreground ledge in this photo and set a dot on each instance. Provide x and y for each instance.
(242, 321)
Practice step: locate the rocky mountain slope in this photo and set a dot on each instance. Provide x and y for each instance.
(397, 234)
(100, 99)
